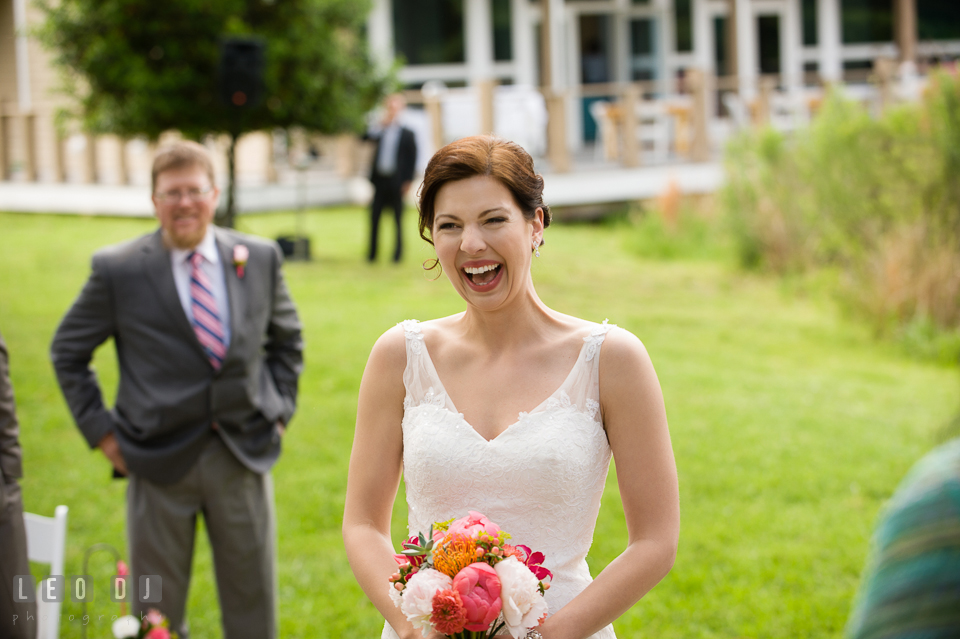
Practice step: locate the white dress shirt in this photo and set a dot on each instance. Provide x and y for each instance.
(183, 269)
(389, 141)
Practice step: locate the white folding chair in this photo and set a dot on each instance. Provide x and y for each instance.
(736, 109)
(46, 542)
(654, 129)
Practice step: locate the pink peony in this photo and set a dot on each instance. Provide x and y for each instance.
(473, 524)
(479, 588)
(449, 616)
(523, 605)
(122, 568)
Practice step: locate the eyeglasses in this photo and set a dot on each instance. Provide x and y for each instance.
(192, 195)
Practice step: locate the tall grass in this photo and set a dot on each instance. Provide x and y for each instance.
(876, 198)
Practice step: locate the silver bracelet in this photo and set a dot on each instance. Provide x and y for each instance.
(533, 633)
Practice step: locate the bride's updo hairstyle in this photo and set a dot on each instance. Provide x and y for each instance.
(506, 162)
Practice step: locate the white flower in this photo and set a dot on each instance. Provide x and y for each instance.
(523, 605)
(395, 594)
(126, 627)
(417, 601)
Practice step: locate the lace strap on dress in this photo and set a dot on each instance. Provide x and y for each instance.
(594, 340)
(413, 372)
(590, 387)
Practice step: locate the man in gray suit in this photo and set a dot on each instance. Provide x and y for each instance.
(17, 620)
(209, 348)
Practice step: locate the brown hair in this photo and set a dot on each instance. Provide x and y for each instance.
(505, 161)
(180, 154)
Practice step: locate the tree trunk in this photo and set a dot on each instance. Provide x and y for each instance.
(226, 216)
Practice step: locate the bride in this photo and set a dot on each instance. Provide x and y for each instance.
(511, 409)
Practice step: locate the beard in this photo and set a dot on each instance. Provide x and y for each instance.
(184, 240)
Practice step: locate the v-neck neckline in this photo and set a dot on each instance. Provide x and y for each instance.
(452, 408)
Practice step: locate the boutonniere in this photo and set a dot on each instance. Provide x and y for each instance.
(240, 256)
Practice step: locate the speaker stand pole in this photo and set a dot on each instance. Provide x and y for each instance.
(229, 215)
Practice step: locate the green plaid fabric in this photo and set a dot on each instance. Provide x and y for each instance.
(912, 587)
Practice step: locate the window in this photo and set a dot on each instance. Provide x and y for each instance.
(768, 30)
(683, 16)
(720, 45)
(867, 21)
(643, 61)
(938, 20)
(429, 31)
(809, 16)
(502, 42)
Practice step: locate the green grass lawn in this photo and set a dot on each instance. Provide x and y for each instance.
(791, 426)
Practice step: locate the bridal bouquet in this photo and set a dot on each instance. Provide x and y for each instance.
(464, 580)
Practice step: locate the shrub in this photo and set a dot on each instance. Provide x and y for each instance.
(879, 198)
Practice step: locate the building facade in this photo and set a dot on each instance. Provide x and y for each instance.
(571, 52)
(569, 45)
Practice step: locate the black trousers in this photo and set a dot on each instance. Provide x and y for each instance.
(386, 192)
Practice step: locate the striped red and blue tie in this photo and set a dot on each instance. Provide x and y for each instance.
(206, 320)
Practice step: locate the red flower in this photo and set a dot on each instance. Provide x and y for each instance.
(449, 616)
(158, 632)
(413, 560)
(533, 561)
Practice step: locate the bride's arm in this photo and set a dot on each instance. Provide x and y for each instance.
(636, 425)
(375, 466)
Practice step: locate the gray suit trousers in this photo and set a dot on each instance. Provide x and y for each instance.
(17, 620)
(237, 508)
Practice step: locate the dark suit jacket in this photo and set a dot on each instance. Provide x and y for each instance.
(10, 463)
(406, 156)
(169, 394)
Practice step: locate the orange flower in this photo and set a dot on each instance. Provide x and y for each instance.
(454, 553)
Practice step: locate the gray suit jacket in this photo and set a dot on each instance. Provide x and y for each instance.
(169, 394)
(10, 466)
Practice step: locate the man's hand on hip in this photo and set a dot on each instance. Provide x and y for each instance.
(111, 449)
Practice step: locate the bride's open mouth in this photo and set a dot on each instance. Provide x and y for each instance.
(483, 277)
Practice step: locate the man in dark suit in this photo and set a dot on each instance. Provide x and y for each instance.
(209, 348)
(392, 172)
(17, 620)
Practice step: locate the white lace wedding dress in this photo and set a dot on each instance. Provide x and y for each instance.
(541, 479)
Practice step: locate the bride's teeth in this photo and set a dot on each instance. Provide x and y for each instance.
(477, 270)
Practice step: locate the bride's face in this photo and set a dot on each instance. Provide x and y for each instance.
(483, 241)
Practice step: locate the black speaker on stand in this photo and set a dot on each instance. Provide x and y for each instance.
(241, 72)
(240, 84)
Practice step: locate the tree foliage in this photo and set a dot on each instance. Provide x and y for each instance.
(141, 67)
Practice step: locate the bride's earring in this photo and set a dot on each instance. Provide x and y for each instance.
(536, 248)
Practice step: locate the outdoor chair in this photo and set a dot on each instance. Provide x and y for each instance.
(46, 542)
(737, 110)
(654, 129)
(606, 148)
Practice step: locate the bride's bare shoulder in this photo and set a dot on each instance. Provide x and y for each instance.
(440, 328)
(390, 351)
(623, 354)
(570, 327)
